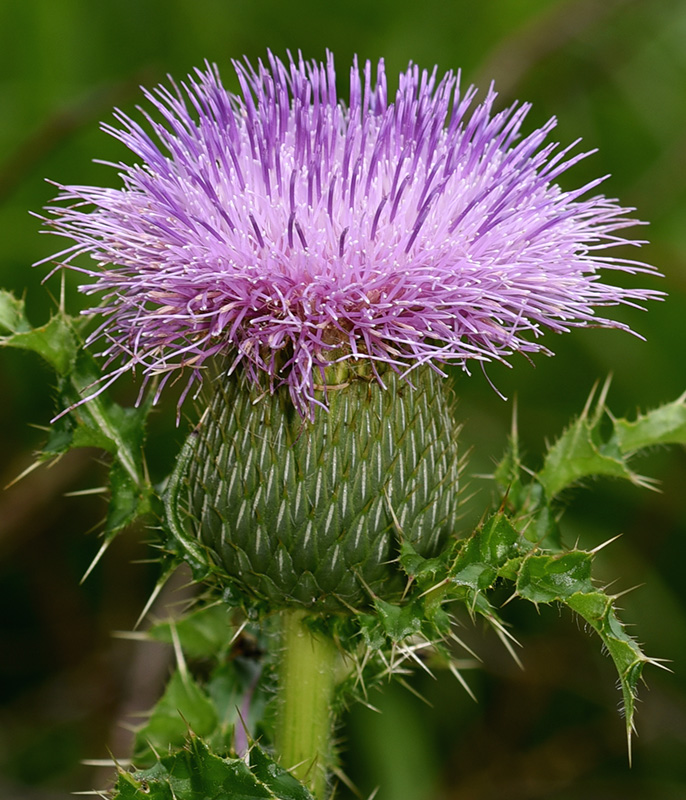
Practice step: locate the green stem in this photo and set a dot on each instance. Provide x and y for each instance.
(306, 683)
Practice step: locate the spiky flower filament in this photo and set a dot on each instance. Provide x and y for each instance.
(410, 229)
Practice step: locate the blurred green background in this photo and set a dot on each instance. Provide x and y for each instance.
(614, 73)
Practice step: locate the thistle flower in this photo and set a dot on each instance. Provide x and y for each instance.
(307, 253)
(284, 230)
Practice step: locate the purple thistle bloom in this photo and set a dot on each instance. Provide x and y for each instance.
(285, 230)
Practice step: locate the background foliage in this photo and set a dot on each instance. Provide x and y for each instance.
(614, 72)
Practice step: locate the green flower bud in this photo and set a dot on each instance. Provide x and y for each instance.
(312, 512)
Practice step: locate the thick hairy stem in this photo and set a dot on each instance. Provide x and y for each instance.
(307, 680)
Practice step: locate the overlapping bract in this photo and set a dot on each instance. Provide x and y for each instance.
(284, 229)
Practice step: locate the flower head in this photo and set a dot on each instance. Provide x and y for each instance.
(285, 229)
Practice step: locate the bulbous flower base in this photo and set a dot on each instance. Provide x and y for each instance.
(312, 512)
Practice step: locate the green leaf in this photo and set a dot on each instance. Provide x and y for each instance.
(185, 547)
(499, 551)
(663, 425)
(234, 686)
(123, 429)
(545, 578)
(184, 706)
(482, 555)
(234, 683)
(567, 579)
(98, 423)
(204, 633)
(55, 341)
(584, 449)
(195, 773)
(598, 610)
(578, 454)
(105, 424)
(419, 568)
(282, 783)
(398, 622)
(128, 500)
(12, 314)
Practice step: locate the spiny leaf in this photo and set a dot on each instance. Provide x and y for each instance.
(483, 554)
(195, 773)
(122, 429)
(12, 314)
(98, 423)
(663, 425)
(584, 449)
(183, 706)
(545, 578)
(54, 341)
(234, 691)
(398, 622)
(282, 783)
(497, 551)
(239, 697)
(579, 453)
(204, 633)
(128, 500)
(67, 433)
(567, 579)
(597, 609)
